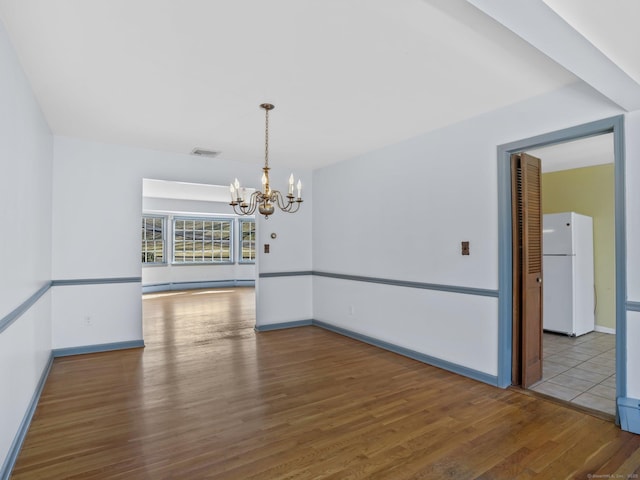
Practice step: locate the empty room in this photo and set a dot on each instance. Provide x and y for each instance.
(298, 239)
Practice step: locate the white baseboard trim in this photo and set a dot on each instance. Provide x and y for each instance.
(171, 286)
(600, 329)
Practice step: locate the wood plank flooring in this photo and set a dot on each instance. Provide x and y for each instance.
(210, 398)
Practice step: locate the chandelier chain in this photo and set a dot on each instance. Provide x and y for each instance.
(266, 138)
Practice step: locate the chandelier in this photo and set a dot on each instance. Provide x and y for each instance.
(265, 200)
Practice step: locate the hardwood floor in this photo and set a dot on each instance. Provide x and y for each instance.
(210, 398)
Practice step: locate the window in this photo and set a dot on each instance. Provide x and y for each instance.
(247, 241)
(153, 239)
(202, 240)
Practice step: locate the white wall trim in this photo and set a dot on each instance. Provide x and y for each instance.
(609, 330)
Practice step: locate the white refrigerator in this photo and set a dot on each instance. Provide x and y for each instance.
(568, 286)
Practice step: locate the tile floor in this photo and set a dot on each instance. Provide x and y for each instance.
(581, 370)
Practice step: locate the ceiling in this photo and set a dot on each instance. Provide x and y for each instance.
(584, 152)
(612, 26)
(346, 76)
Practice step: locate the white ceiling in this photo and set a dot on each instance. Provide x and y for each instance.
(611, 25)
(346, 76)
(585, 152)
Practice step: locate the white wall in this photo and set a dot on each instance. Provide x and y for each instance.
(425, 321)
(632, 138)
(417, 201)
(286, 299)
(88, 321)
(97, 184)
(26, 152)
(181, 274)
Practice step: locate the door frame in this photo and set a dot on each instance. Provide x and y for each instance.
(613, 125)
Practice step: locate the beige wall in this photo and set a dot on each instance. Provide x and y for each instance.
(590, 191)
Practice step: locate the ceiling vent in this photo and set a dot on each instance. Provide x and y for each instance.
(201, 152)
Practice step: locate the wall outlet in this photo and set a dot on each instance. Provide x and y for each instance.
(87, 321)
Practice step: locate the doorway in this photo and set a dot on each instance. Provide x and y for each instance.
(578, 258)
(191, 242)
(615, 127)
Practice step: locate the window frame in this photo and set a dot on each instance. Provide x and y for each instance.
(241, 240)
(163, 218)
(204, 218)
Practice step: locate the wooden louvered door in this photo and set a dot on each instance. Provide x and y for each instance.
(527, 269)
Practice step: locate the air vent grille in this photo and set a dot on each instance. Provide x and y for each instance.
(201, 152)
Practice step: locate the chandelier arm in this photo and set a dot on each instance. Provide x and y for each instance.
(254, 200)
(238, 210)
(297, 202)
(244, 208)
(279, 199)
(294, 209)
(291, 206)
